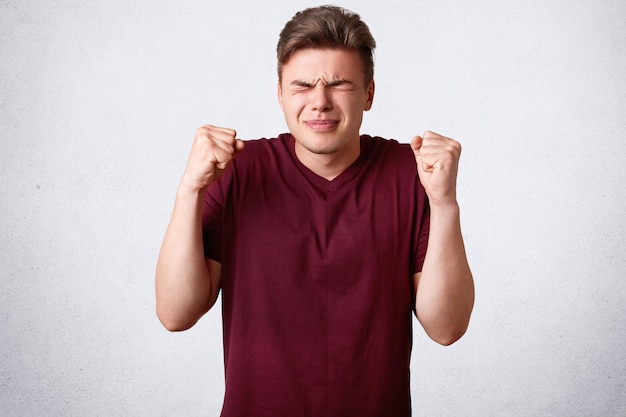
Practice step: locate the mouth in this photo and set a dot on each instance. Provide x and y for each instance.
(321, 125)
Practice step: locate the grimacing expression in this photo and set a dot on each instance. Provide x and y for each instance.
(323, 95)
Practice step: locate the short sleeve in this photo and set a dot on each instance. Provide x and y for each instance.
(212, 221)
(422, 235)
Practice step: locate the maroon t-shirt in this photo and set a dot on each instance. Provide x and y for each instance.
(317, 280)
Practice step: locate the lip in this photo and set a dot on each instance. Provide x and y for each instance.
(321, 124)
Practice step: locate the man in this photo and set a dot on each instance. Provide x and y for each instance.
(323, 241)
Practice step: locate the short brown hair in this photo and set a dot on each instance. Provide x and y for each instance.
(327, 27)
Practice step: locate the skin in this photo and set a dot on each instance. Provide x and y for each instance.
(187, 284)
(444, 289)
(323, 95)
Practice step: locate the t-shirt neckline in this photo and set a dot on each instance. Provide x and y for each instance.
(345, 176)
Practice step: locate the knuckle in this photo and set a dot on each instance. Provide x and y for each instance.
(199, 133)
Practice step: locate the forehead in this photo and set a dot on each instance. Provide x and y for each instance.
(313, 63)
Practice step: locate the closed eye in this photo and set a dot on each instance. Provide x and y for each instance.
(301, 85)
(341, 84)
(345, 85)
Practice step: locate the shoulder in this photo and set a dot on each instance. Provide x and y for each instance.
(388, 150)
(269, 143)
(261, 159)
(259, 149)
(385, 143)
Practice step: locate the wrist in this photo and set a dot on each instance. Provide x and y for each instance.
(189, 189)
(444, 208)
(191, 186)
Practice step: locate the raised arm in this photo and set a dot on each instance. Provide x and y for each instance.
(444, 288)
(187, 284)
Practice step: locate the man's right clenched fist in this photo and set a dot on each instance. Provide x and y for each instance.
(212, 150)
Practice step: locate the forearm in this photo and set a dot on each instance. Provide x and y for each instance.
(445, 288)
(184, 289)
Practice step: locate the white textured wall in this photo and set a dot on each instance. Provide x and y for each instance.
(98, 104)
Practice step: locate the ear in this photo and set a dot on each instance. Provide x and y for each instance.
(370, 96)
(280, 96)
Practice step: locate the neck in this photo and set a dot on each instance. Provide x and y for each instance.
(329, 165)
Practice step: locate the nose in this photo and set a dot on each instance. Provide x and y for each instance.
(320, 98)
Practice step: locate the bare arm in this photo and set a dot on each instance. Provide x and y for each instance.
(444, 296)
(185, 287)
(187, 284)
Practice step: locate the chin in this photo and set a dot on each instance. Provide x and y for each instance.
(322, 147)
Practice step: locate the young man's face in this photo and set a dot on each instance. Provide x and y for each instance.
(323, 96)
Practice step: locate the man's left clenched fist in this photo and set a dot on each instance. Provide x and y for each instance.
(437, 160)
